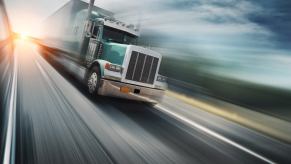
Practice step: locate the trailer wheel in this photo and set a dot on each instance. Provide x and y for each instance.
(93, 81)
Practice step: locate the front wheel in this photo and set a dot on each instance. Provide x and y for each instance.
(93, 81)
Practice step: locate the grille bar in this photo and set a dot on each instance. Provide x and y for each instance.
(153, 71)
(142, 68)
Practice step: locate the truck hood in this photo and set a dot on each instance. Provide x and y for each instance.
(114, 52)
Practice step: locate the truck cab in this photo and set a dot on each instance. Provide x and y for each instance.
(116, 65)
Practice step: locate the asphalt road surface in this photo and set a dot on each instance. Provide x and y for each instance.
(58, 122)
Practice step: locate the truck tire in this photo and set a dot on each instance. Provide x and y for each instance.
(93, 80)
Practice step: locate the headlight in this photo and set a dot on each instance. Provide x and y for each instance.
(113, 67)
(161, 78)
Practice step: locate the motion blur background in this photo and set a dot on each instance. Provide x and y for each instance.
(223, 59)
(236, 50)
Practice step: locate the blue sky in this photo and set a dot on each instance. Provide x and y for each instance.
(276, 17)
(250, 39)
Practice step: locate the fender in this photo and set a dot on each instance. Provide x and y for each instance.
(101, 64)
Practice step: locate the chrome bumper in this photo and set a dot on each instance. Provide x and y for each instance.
(112, 88)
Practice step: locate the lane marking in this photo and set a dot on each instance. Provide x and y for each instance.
(43, 72)
(212, 133)
(9, 150)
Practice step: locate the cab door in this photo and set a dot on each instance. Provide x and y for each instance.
(94, 45)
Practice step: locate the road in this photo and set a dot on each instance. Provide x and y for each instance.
(58, 122)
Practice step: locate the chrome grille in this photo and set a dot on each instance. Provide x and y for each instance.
(142, 68)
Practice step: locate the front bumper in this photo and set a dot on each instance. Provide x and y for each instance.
(112, 88)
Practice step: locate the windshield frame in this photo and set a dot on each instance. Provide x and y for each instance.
(121, 37)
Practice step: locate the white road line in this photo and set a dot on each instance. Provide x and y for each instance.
(212, 133)
(9, 150)
(41, 70)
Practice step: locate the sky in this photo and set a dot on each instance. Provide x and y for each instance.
(249, 38)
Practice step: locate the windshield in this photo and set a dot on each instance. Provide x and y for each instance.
(118, 36)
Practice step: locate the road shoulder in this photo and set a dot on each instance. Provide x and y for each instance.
(263, 123)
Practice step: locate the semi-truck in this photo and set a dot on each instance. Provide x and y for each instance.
(104, 53)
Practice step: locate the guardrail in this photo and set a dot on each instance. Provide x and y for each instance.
(10, 138)
(8, 84)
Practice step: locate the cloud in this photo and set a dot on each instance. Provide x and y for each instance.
(209, 17)
(198, 21)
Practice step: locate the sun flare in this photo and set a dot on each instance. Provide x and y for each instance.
(23, 36)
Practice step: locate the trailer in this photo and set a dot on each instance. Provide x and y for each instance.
(104, 53)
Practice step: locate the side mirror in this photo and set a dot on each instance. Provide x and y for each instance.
(88, 27)
(88, 35)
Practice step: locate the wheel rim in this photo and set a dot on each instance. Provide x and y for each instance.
(92, 82)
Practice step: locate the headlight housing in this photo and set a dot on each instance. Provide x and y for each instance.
(113, 67)
(161, 78)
